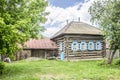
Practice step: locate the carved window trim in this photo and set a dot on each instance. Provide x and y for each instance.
(61, 46)
(75, 45)
(98, 45)
(83, 46)
(91, 45)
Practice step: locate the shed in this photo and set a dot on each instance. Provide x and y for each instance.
(42, 48)
(80, 41)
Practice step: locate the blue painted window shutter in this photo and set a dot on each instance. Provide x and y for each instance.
(60, 46)
(83, 46)
(91, 45)
(98, 45)
(74, 46)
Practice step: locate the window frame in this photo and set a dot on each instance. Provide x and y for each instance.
(98, 47)
(76, 44)
(93, 45)
(61, 46)
(85, 45)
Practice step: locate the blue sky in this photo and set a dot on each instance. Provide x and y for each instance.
(62, 10)
(64, 3)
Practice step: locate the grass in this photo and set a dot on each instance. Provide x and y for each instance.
(60, 70)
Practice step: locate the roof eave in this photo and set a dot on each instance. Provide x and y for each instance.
(40, 48)
(74, 34)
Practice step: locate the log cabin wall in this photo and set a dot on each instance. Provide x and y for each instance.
(67, 42)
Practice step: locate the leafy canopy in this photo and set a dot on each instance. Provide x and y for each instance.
(19, 21)
(106, 13)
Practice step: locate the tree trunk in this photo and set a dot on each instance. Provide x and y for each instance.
(2, 57)
(110, 58)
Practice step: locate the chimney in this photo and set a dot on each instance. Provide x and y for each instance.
(78, 19)
(67, 21)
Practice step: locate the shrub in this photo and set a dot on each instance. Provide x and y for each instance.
(117, 62)
(2, 67)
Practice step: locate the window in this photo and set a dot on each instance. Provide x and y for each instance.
(83, 46)
(74, 45)
(60, 46)
(91, 45)
(98, 45)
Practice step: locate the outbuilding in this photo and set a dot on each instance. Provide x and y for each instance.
(41, 48)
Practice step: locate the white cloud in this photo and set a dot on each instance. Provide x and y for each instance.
(58, 16)
(51, 31)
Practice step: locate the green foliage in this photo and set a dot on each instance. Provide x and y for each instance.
(117, 62)
(106, 13)
(2, 67)
(19, 21)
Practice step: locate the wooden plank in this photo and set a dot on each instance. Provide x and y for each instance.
(45, 55)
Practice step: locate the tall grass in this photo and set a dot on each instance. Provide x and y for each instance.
(60, 70)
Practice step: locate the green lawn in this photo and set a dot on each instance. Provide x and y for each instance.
(60, 70)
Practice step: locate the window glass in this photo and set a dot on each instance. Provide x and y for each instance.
(98, 45)
(83, 46)
(91, 45)
(60, 46)
(74, 45)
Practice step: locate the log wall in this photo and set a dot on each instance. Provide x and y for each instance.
(68, 39)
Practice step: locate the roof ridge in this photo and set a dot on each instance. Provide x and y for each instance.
(92, 26)
(65, 27)
(87, 24)
(68, 25)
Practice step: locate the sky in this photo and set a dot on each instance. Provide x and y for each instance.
(64, 3)
(62, 10)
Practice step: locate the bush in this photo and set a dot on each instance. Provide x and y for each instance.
(117, 62)
(2, 67)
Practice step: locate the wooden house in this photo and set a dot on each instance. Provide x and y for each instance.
(80, 41)
(41, 48)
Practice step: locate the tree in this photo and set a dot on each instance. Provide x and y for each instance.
(106, 13)
(19, 21)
